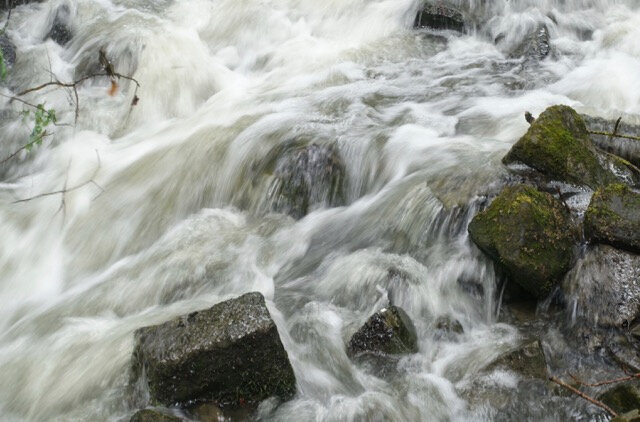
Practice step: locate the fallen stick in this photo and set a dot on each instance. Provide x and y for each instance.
(584, 396)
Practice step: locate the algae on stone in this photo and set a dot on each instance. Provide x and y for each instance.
(613, 217)
(530, 234)
(622, 398)
(558, 145)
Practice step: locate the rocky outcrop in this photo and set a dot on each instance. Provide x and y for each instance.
(389, 332)
(604, 287)
(622, 398)
(152, 415)
(557, 144)
(439, 17)
(613, 217)
(536, 46)
(528, 361)
(230, 355)
(306, 176)
(528, 233)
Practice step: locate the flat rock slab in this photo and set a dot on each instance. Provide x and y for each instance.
(230, 355)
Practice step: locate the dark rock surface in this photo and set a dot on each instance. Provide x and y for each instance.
(7, 4)
(536, 46)
(613, 217)
(558, 145)
(447, 327)
(439, 17)
(530, 234)
(389, 331)
(622, 398)
(8, 50)
(306, 176)
(604, 287)
(230, 354)
(528, 361)
(151, 415)
(632, 416)
(60, 31)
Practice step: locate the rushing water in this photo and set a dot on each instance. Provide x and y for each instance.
(164, 214)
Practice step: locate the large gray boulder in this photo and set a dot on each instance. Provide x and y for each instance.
(613, 217)
(388, 332)
(230, 355)
(439, 17)
(306, 176)
(529, 234)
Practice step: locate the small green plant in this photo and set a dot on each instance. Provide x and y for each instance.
(3, 67)
(43, 117)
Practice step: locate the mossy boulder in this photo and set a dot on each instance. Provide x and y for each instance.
(613, 217)
(530, 234)
(622, 398)
(439, 17)
(527, 360)
(632, 416)
(153, 415)
(230, 355)
(558, 145)
(389, 331)
(306, 176)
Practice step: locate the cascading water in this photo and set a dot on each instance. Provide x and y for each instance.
(165, 213)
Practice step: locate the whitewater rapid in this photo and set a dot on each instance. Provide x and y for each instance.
(166, 215)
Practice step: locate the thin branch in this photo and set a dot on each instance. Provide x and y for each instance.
(584, 396)
(614, 135)
(607, 382)
(65, 190)
(615, 129)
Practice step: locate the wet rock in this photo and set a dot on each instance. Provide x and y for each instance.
(8, 4)
(528, 233)
(622, 398)
(439, 17)
(389, 331)
(536, 46)
(528, 361)
(8, 50)
(230, 355)
(152, 415)
(632, 416)
(613, 217)
(306, 176)
(604, 287)
(447, 327)
(624, 148)
(60, 31)
(558, 145)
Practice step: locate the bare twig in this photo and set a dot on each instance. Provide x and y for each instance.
(65, 189)
(615, 129)
(584, 396)
(606, 382)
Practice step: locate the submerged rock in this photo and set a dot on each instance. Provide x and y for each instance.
(558, 145)
(604, 287)
(447, 327)
(230, 354)
(60, 31)
(536, 46)
(530, 234)
(528, 361)
(389, 331)
(152, 415)
(622, 398)
(439, 17)
(306, 176)
(613, 217)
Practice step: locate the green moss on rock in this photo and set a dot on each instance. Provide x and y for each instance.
(530, 234)
(152, 415)
(558, 145)
(622, 398)
(528, 361)
(613, 217)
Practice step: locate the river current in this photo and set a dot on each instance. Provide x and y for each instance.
(164, 215)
